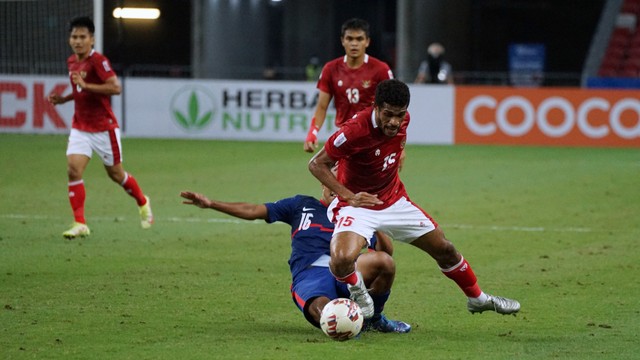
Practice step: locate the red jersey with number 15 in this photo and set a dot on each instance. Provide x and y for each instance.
(368, 159)
(352, 89)
(93, 111)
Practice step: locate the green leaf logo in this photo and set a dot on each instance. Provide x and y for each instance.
(193, 107)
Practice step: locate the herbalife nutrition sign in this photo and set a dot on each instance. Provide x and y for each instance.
(222, 109)
(193, 108)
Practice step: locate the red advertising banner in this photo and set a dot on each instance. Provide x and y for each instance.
(547, 116)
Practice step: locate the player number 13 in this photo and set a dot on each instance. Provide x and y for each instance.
(353, 95)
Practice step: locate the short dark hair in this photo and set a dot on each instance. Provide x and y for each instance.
(393, 92)
(82, 22)
(355, 24)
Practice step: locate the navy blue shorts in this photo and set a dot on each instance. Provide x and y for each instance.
(314, 282)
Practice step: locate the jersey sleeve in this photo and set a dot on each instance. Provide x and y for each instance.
(324, 81)
(350, 138)
(103, 68)
(387, 74)
(382, 71)
(281, 210)
(338, 145)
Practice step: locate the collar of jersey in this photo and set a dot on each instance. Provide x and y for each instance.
(366, 58)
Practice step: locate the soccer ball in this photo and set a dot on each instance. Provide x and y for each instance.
(341, 319)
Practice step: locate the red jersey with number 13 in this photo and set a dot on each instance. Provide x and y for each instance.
(368, 159)
(352, 89)
(93, 111)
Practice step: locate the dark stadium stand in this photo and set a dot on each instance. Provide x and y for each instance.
(622, 57)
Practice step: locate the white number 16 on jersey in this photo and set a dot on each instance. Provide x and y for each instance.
(388, 160)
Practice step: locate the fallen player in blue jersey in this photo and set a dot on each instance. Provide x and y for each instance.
(313, 284)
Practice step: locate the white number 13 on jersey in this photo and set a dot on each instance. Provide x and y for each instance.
(353, 95)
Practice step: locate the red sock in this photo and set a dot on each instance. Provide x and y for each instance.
(350, 279)
(465, 278)
(130, 185)
(76, 199)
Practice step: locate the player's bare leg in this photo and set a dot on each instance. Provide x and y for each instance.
(76, 164)
(115, 172)
(455, 267)
(378, 271)
(345, 248)
(316, 306)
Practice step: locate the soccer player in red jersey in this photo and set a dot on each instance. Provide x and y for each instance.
(94, 126)
(371, 197)
(349, 80)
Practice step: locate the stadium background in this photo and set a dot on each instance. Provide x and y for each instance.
(220, 44)
(238, 39)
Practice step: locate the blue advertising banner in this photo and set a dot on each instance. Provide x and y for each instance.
(526, 64)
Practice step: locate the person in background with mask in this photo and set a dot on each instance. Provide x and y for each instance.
(434, 70)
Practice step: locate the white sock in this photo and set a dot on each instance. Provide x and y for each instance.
(480, 299)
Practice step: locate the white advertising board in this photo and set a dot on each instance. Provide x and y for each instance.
(209, 109)
(233, 110)
(259, 110)
(432, 109)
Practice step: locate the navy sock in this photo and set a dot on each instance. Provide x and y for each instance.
(379, 301)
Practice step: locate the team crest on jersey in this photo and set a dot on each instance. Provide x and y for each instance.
(377, 152)
(339, 82)
(366, 84)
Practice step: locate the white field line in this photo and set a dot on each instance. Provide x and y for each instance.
(124, 219)
(240, 221)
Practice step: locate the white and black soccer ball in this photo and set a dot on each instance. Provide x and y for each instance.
(341, 319)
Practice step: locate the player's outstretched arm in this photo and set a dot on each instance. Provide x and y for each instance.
(240, 210)
(311, 142)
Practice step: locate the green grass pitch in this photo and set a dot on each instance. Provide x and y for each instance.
(556, 228)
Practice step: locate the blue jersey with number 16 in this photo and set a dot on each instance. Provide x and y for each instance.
(311, 229)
